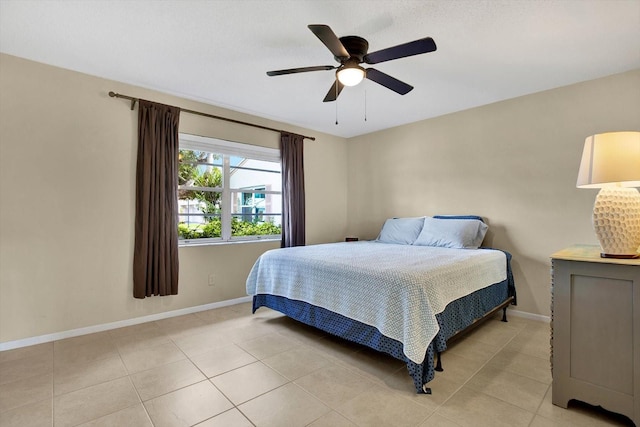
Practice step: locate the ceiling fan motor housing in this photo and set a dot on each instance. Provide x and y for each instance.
(356, 46)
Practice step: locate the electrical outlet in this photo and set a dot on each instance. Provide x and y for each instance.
(212, 279)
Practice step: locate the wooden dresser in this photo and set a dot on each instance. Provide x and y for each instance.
(595, 344)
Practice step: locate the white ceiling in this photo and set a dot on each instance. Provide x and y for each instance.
(218, 51)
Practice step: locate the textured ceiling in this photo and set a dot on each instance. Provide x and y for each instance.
(218, 51)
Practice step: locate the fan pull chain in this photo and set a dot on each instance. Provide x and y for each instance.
(365, 105)
(336, 102)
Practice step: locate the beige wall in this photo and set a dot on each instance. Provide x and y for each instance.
(513, 162)
(67, 164)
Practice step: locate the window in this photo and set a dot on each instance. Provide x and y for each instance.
(227, 191)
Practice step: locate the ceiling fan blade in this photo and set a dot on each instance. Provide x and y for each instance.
(330, 40)
(415, 47)
(300, 70)
(333, 93)
(389, 82)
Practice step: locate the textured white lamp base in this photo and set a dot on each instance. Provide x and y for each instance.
(616, 220)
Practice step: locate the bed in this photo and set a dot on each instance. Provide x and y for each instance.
(421, 282)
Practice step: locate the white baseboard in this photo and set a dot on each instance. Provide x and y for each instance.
(531, 316)
(10, 345)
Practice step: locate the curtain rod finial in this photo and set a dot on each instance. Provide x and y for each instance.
(112, 94)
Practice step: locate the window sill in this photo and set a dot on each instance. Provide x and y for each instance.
(195, 243)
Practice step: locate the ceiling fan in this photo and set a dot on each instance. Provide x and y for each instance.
(350, 52)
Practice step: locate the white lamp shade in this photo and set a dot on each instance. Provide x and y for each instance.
(610, 158)
(351, 76)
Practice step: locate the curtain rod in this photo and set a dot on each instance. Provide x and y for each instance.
(199, 113)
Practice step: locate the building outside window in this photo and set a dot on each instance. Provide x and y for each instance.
(227, 191)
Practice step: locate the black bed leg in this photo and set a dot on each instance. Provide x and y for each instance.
(438, 363)
(504, 314)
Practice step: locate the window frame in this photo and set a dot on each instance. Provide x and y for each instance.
(228, 149)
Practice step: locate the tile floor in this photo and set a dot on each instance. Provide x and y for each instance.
(227, 367)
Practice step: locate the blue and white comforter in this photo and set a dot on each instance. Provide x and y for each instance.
(397, 289)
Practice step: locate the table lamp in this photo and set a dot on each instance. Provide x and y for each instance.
(611, 162)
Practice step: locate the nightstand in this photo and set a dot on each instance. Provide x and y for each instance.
(595, 345)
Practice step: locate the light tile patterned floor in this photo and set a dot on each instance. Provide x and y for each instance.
(227, 367)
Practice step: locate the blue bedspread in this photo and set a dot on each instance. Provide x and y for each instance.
(457, 316)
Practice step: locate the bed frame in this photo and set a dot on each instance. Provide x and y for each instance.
(460, 334)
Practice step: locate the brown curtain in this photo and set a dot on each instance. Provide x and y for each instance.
(291, 157)
(155, 257)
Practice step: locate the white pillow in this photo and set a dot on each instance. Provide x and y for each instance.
(400, 230)
(452, 233)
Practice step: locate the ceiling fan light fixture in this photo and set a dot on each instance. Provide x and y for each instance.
(350, 76)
